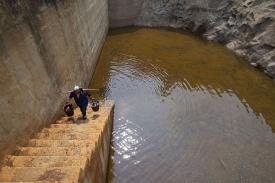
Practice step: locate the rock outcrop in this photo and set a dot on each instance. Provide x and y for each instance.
(246, 26)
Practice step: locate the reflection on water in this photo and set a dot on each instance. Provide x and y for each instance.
(186, 110)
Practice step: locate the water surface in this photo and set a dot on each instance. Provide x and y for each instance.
(186, 110)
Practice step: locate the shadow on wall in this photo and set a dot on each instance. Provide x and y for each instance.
(47, 46)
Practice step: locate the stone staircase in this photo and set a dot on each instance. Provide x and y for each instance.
(71, 150)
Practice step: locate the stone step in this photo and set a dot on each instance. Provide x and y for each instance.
(71, 120)
(45, 161)
(59, 143)
(67, 136)
(92, 129)
(38, 182)
(61, 153)
(91, 115)
(53, 151)
(96, 125)
(78, 120)
(31, 174)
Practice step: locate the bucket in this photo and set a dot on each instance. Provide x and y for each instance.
(95, 105)
(69, 110)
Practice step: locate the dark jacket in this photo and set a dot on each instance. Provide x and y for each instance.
(82, 100)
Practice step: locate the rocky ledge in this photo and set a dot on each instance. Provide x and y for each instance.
(247, 27)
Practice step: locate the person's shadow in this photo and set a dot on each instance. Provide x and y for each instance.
(95, 117)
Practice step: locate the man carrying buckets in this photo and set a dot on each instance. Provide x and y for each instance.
(81, 99)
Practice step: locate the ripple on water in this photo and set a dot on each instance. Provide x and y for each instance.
(186, 110)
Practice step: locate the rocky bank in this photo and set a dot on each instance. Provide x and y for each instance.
(247, 27)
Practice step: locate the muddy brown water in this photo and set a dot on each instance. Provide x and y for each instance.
(186, 110)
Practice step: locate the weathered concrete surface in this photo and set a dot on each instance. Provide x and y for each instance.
(72, 150)
(123, 13)
(46, 46)
(247, 27)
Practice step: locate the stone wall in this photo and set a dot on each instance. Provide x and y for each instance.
(46, 47)
(247, 27)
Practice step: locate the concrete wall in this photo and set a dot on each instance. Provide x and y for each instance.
(244, 26)
(124, 13)
(46, 47)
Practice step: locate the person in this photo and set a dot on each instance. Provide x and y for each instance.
(81, 99)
